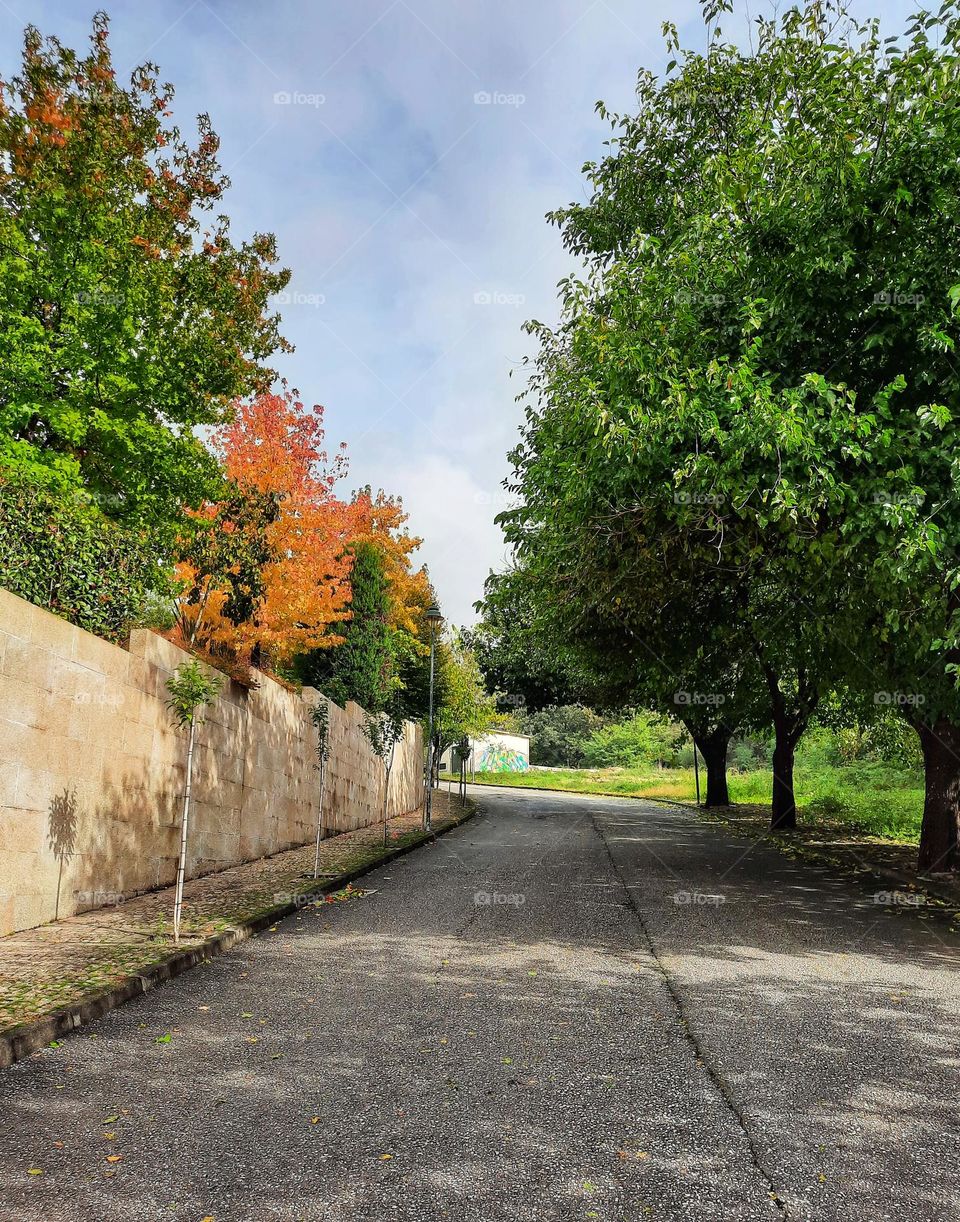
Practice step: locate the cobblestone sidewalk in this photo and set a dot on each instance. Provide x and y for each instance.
(61, 964)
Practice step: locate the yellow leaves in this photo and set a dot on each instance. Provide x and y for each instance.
(34, 1171)
(114, 1158)
(385, 1157)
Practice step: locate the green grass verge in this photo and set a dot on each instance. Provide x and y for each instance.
(867, 798)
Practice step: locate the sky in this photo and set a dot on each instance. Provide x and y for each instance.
(404, 152)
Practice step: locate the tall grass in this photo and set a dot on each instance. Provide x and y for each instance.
(866, 798)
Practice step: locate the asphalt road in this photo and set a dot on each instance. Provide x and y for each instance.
(569, 1008)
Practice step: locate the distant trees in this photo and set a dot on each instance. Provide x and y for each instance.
(737, 471)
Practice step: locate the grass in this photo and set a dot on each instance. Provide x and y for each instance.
(865, 798)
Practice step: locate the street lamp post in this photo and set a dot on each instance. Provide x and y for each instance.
(433, 618)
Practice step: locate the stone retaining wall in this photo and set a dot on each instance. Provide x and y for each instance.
(92, 770)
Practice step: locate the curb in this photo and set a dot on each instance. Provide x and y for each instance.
(26, 1038)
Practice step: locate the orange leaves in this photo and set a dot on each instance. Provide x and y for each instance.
(380, 521)
(288, 579)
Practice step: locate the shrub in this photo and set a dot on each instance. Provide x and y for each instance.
(59, 552)
(641, 739)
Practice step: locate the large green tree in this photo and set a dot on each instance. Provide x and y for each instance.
(767, 328)
(128, 314)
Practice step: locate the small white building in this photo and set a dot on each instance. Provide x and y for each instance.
(497, 751)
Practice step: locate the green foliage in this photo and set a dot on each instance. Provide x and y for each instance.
(61, 553)
(128, 314)
(361, 668)
(525, 668)
(559, 734)
(644, 739)
(320, 716)
(191, 687)
(462, 707)
(744, 430)
(383, 731)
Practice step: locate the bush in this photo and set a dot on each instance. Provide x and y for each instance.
(59, 552)
(642, 739)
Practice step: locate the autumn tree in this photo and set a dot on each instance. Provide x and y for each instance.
(128, 313)
(270, 577)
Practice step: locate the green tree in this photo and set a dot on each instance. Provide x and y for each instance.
(559, 734)
(463, 709)
(767, 330)
(128, 314)
(361, 667)
(190, 688)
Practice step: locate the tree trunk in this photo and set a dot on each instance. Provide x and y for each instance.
(316, 856)
(184, 828)
(940, 831)
(783, 815)
(713, 748)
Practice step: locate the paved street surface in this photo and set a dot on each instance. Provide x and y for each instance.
(569, 1008)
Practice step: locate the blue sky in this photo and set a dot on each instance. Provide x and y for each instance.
(410, 209)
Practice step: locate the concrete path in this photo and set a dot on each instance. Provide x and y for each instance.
(569, 1008)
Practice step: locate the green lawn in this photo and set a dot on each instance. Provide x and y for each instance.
(872, 799)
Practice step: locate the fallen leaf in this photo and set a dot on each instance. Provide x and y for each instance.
(110, 1120)
(114, 1158)
(314, 1119)
(384, 1157)
(163, 1039)
(34, 1171)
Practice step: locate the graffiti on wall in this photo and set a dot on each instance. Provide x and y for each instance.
(495, 757)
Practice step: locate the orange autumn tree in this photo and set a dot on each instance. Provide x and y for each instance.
(266, 573)
(378, 663)
(380, 521)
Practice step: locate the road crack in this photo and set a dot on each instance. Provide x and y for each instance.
(701, 1055)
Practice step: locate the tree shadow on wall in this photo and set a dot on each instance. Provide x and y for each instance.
(62, 832)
